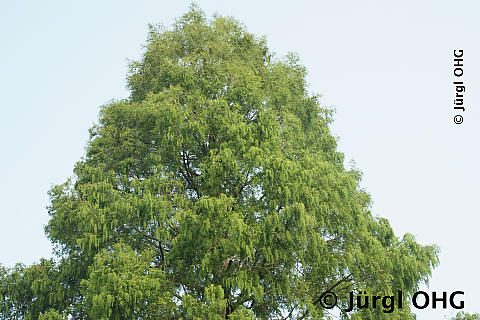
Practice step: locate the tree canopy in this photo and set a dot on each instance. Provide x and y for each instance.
(214, 191)
(466, 316)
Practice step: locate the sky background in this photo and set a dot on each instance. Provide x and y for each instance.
(385, 66)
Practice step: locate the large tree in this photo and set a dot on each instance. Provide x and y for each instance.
(215, 191)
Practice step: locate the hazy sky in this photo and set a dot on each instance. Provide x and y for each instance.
(387, 68)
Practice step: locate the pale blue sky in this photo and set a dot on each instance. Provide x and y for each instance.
(387, 68)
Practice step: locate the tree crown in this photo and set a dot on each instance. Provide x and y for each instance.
(215, 190)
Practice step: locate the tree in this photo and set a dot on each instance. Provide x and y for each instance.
(215, 191)
(466, 316)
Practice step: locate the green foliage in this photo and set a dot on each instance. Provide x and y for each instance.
(51, 315)
(215, 191)
(122, 284)
(25, 292)
(466, 316)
